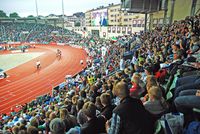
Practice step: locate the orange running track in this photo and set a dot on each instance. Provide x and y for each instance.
(25, 82)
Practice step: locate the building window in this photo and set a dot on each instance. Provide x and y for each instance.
(113, 29)
(125, 19)
(109, 29)
(139, 23)
(118, 29)
(124, 30)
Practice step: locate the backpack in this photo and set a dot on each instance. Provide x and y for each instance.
(193, 128)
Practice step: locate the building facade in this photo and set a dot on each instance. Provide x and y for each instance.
(116, 17)
(88, 18)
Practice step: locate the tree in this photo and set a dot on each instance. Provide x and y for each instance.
(14, 15)
(77, 24)
(3, 14)
(30, 16)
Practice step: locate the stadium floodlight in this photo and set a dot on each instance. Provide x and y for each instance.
(36, 6)
(62, 17)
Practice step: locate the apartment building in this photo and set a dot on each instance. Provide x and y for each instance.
(88, 18)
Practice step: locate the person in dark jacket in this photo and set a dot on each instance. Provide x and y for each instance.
(94, 125)
(130, 116)
(107, 106)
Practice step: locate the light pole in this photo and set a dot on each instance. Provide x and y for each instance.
(36, 6)
(62, 18)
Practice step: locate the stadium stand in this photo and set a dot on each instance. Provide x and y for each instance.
(161, 80)
(32, 32)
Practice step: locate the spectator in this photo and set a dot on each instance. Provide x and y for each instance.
(57, 126)
(81, 117)
(69, 120)
(107, 106)
(98, 104)
(122, 64)
(136, 120)
(136, 90)
(32, 130)
(94, 125)
(15, 130)
(156, 103)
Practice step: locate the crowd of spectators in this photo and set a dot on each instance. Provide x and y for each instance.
(117, 94)
(34, 32)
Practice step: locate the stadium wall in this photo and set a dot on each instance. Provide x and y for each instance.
(108, 32)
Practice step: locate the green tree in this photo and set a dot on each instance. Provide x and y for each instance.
(14, 15)
(30, 16)
(3, 14)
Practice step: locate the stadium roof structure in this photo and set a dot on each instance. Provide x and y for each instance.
(141, 6)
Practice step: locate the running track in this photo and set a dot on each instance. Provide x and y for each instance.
(26, 83)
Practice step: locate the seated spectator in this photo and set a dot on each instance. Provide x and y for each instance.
(150, 81)
(156, 103)
(82, 94)
(98, 103)
(32, 130)
(194, 45)
(94, 125)
(69, 120)
(74, 103)
(136, 90)
(57, 126)
(107, 106)
(81, 117)
(34, 122)
(94, 93)
(15, 130)
(178, 60)
(130, 115)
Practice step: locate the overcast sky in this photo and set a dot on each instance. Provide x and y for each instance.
(46, 7)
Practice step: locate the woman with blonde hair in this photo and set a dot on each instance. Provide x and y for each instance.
(151, 81)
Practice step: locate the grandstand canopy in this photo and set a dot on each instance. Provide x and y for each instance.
(141, 6)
